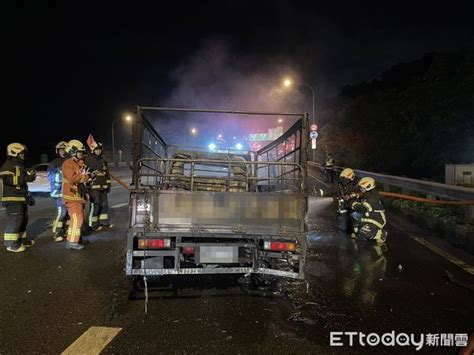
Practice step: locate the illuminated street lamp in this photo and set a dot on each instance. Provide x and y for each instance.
(219, 135)
(128, 118)
(193, 131)
(280, 120)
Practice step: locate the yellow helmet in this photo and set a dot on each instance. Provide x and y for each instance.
(61, 145)
(348, 174)
(14, 149)
(74, 146)
(367, 183)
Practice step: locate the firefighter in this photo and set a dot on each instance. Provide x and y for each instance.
(368, 218)
(329, 168)
(55, 178)
(16, 198)
(75, 175)
(348, 192)
(99, 187)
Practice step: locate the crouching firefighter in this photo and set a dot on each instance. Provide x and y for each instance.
(55, 178)
(74, 191)
(99, 187)
(16, 198)
(348, 193)
(368, 218)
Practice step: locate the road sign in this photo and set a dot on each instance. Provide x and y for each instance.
(313, 143)
(314, 127)
(313, 134)
(258, 137)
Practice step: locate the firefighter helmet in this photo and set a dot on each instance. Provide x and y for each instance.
(61, 145)
(348, 174)
(367, 183)
(74, 146)
(14, 149)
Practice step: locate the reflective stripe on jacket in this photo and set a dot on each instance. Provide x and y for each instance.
(72, 178)
(101, 180)
(371, 208)
(55, 175)
(15, 178)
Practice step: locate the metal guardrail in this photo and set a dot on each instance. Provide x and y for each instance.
(428, 188)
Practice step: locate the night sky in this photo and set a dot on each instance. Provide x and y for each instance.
(69, 70)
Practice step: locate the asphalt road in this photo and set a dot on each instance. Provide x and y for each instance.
(50, 296)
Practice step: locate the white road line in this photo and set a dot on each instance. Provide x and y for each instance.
(93, 341)
(322, 182)
(120, 205)
(1, 209)
(466, 267)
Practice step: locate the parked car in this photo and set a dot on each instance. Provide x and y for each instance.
(41, 184)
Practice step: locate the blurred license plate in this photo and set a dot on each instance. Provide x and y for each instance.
(218, 254)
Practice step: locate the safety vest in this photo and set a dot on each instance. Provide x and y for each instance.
(55, 177)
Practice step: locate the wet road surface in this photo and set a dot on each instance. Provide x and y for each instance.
(51, 296)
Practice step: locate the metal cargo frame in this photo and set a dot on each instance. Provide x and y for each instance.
(270, 180)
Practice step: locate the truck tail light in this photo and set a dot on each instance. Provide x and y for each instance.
(187, 250)
(154, 243)
(279, 246)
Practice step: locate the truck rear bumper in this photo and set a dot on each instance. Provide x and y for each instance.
(216, 269)
(223, 270)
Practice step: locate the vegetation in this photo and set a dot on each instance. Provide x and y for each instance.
(445, 214)
(411, 121)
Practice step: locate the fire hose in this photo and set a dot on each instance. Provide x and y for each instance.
(382, 193)
(120, 182)
(425, 200)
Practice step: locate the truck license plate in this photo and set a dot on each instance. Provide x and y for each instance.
(218, 254)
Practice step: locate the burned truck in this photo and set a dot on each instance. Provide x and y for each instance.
(194, 210)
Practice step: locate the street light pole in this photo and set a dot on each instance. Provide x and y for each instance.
(313, 118)
(287, 82)
(113, 141)
(312, 93)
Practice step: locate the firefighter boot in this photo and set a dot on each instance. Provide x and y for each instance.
(74, 246)
(20, 249)
(29, 243)
(58, 238)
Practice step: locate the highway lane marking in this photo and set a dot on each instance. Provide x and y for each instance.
(466, 267)
(120, 205)
(92, 341)
(322, 182)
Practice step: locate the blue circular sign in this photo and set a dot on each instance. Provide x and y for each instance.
(313, 135)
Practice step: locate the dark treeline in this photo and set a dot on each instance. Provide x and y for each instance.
(411, 121)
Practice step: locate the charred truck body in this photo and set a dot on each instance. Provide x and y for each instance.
(195, 211)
